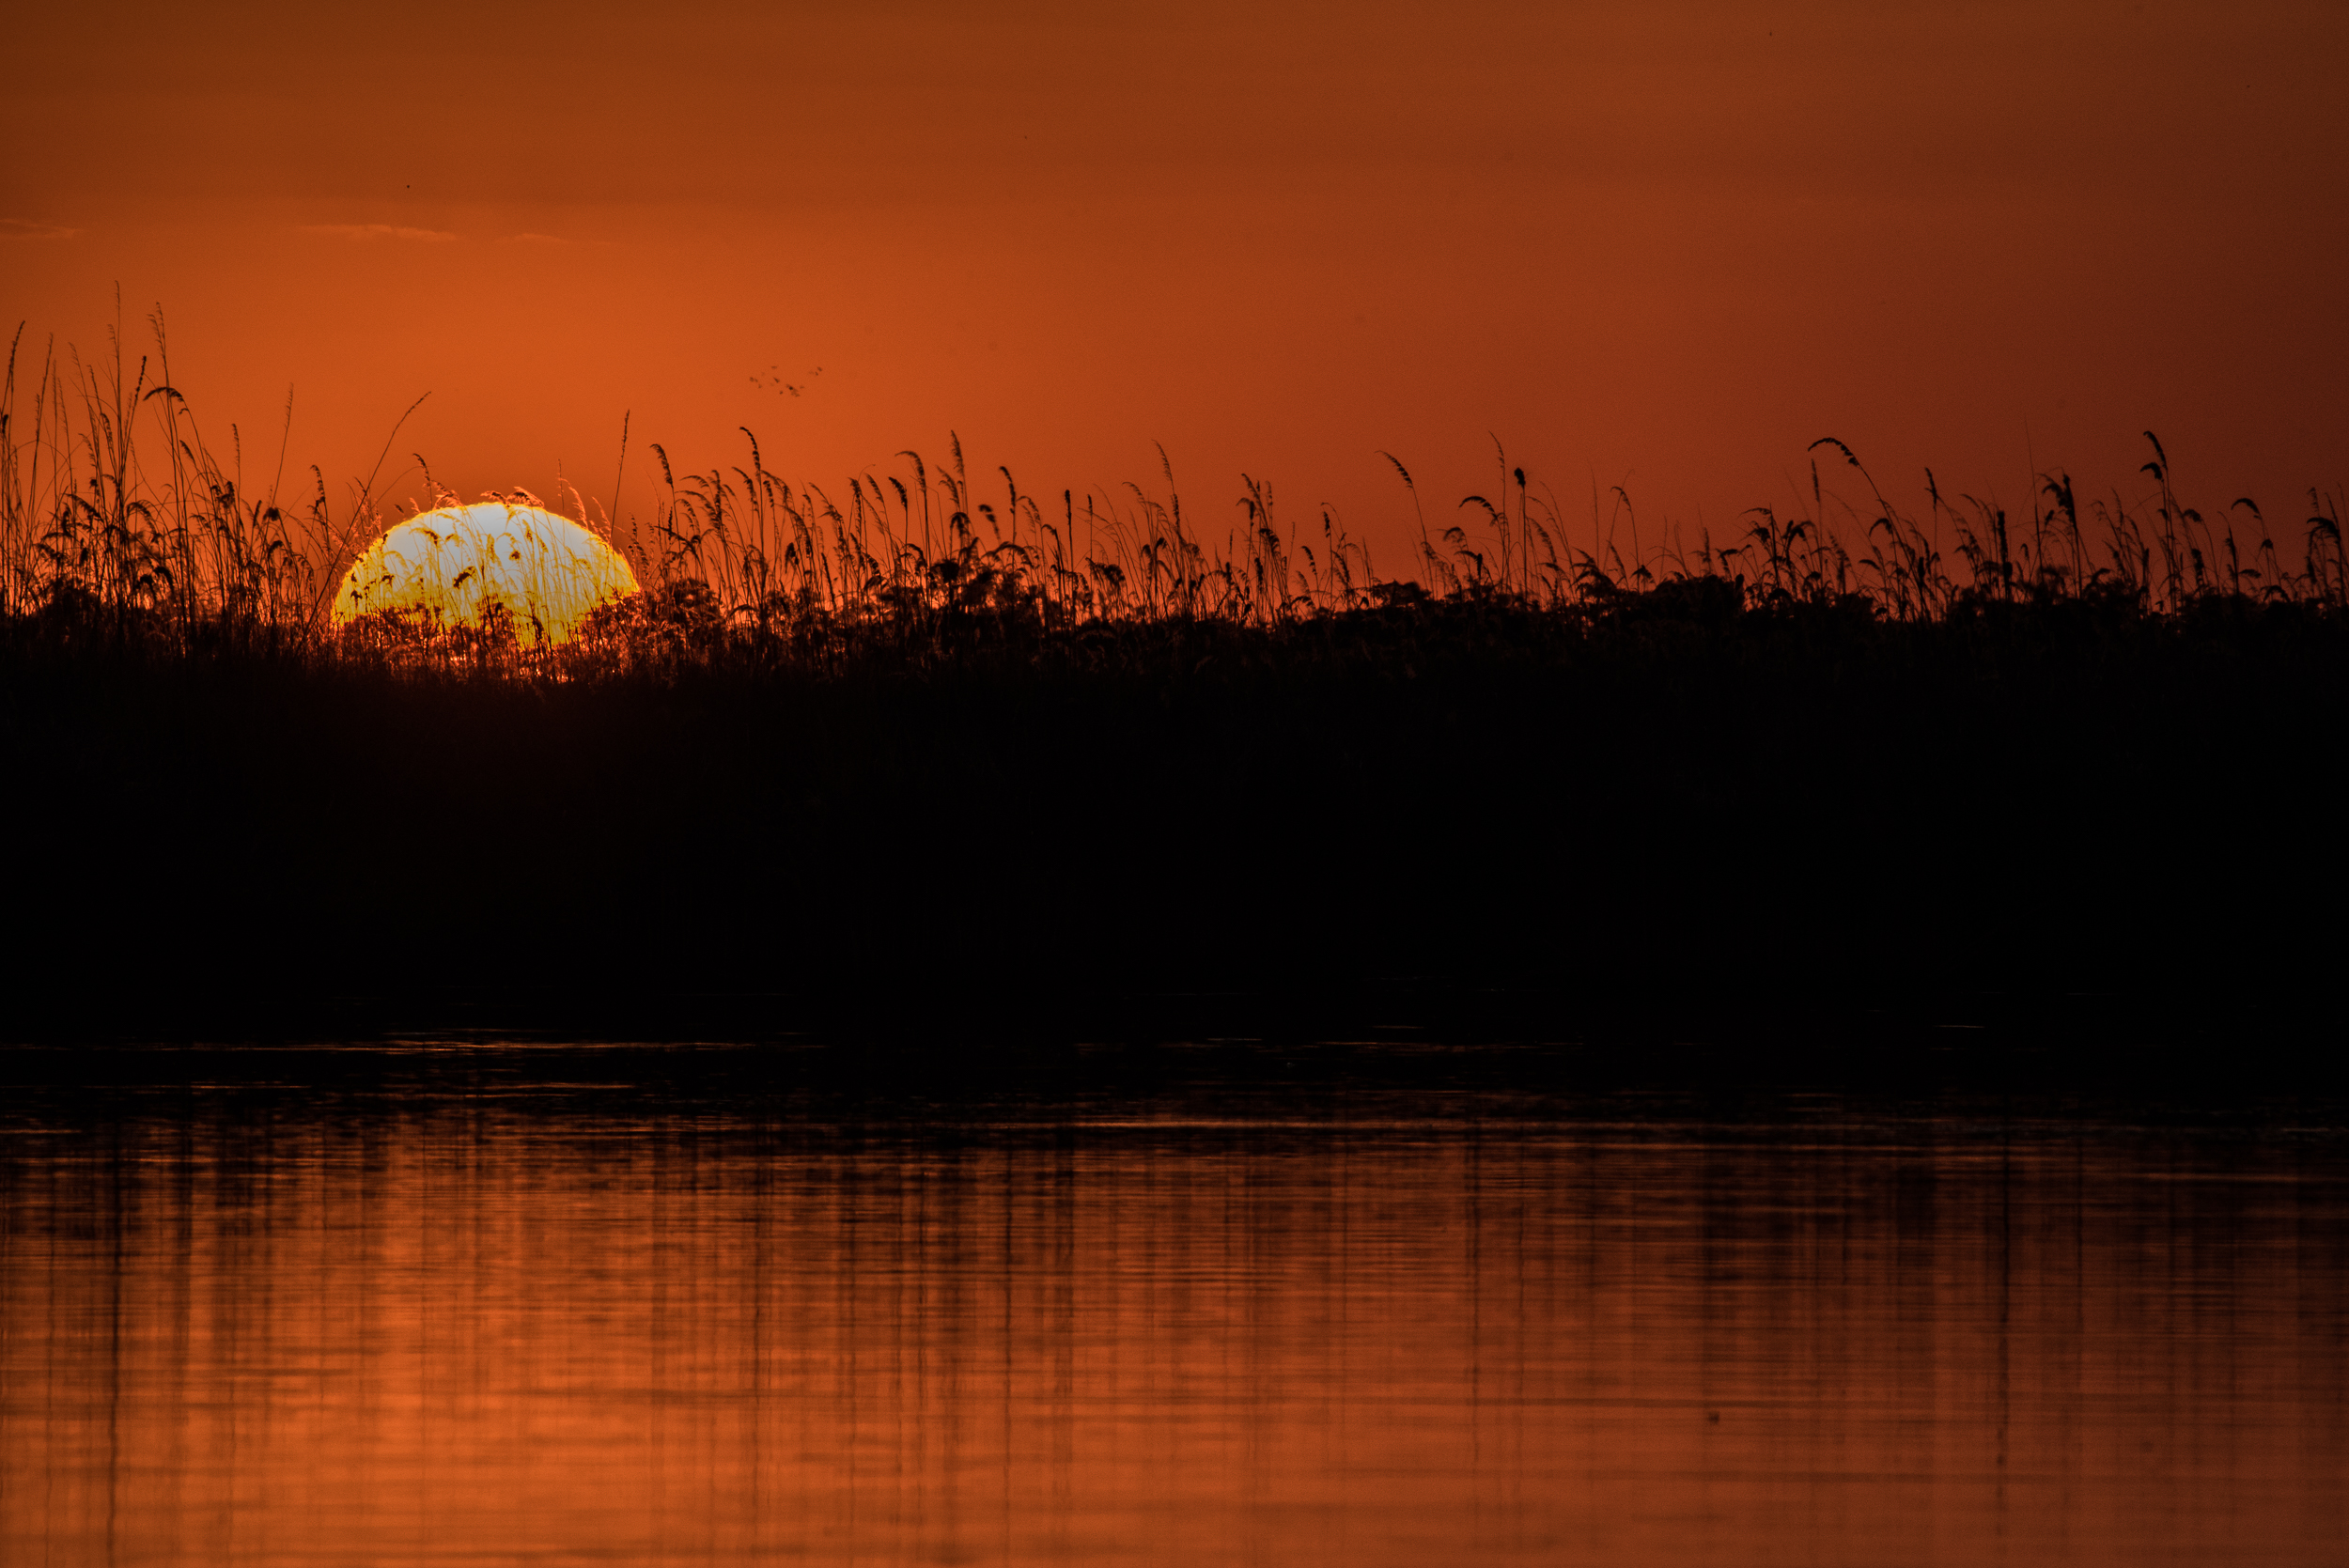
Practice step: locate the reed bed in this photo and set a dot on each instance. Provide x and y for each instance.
(927, 735)
(119, 522)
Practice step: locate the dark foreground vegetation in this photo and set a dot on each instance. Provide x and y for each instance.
(917, 752)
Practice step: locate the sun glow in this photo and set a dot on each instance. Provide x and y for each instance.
(458, 565)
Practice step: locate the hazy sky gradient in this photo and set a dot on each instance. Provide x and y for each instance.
(1661, 245)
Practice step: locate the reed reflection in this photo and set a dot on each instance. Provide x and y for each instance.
(472, 1331)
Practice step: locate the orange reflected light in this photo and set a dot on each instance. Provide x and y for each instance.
(460, 565)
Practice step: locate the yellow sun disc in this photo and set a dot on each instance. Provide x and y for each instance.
(456, 566)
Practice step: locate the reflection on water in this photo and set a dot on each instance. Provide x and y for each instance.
(473, 1316)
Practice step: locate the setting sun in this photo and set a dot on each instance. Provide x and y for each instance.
(457, 565)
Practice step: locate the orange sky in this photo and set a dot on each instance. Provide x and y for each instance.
(1660, 244)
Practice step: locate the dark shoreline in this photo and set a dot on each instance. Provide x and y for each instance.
(1675, 799)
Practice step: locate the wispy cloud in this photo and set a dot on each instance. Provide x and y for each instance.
(26, 228)
(380, 231)
(527, 239)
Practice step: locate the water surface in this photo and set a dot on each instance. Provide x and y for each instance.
(474, 1303)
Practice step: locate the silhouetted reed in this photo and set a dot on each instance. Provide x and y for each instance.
(930, 732)
(117, 521)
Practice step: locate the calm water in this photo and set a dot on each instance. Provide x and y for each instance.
(479, 1304)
